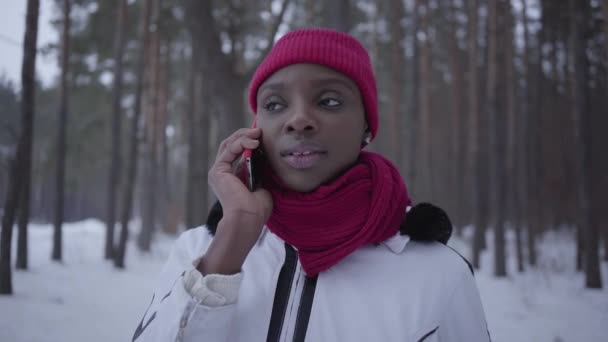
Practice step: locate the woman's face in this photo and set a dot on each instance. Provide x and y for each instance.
(313, 122)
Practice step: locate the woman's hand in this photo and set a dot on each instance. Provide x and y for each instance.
(244, 212)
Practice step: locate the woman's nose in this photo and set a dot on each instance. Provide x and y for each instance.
(302, 120)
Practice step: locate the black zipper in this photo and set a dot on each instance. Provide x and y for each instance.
(281, 294)
(308, 294)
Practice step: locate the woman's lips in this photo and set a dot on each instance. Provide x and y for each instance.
(304, 159)
(303, 155)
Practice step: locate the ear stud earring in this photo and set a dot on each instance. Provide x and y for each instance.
(367, 138)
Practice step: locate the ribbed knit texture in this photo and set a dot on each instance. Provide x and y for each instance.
(329, 48)
(364, 205)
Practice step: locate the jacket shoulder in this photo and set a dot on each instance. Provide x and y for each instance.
(437, 256)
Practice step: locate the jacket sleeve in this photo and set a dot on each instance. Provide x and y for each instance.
(185, 305)
(464, 318)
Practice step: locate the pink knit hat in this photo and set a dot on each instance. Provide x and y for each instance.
(330, 48)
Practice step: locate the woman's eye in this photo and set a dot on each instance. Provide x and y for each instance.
(330, 102)
(273, 106)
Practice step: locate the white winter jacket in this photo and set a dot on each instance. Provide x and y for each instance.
(399, 290)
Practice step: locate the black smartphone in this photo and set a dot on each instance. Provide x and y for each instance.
(253, 165)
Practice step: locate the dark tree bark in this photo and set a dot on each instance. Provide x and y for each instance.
(221, 79)
(522, 133)
(211, 79)
(456, 119)
(24, 216)
(474, 142)
(604, 221)
(56, 254)
(28, 71)
(496, 111)
(512, 140)
(484, 185)
(165, 210)
(127, 204)
(492, 98)
(413, 116)
(152, 123)
(116, 134)
(425, 102)
(191, 220)
(532, 122)
(198, 146)
(397, 13)
(582, 124)
(337, 15)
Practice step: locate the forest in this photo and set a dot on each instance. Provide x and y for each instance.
(491, 109)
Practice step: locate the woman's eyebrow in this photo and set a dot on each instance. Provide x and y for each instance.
(320, 82)
(334, 80)
(272, 86)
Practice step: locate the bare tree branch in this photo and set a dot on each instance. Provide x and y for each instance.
(271, 36)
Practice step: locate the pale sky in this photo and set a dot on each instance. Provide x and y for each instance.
(12, 29)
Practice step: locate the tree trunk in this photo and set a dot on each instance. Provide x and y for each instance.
(484, 131)
(496, 108)
(150, 172)
(511, 179)
(163, 144)
(337, 15)
(577, 94)
(474, 141)
(61, 137)
(24, 214)
(116, 134)
(191, 207)
(127, 204)
(456, 121)
(222, 82)
(425, 101)
(510, 120)
(198, 146)
(522, 129)
(204, 84)
(413, 116)
(582, 111)
(491, 109)
(533, 169)
(604, 220)
(18, 168)
(397, 80)
(604, 223)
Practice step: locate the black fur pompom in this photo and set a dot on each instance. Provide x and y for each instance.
(426, 222)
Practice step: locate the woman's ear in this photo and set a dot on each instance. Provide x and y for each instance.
(367, 138)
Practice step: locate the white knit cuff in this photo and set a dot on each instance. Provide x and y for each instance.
(213, 290)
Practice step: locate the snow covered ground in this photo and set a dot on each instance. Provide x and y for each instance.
(87, 299)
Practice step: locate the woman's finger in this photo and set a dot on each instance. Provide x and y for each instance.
(233, 150)
(252, 133)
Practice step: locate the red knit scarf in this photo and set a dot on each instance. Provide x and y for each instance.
(364, 205)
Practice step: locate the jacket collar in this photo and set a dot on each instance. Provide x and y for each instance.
(396, 244)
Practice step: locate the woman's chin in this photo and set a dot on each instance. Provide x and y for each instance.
(302, 183)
